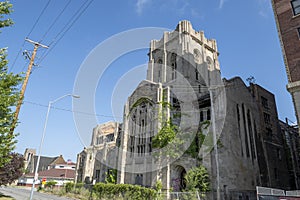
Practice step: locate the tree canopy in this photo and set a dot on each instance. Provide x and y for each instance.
(9, 94)
(12, 170)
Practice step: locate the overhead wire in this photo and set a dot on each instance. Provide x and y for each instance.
(55, 20)
(29, 33)
(39, 17)
(67, 27)
(68, 110)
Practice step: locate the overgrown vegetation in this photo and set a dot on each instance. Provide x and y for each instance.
(111, 176)
(104, 191)
(123, 191)
(197, 179)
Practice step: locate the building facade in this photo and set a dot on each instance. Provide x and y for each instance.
(245, 146)
(96, 160)
(50, 169)
(287, 15)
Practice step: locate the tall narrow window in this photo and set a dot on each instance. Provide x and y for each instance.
(298, 29)
(197, 74)
(173, 65)
(208, 114)
(159, 75)
(267, 118)
(264, 102)
(245, 131)
(201, 116)
(296, 6)
(239, 126)
(276, 173)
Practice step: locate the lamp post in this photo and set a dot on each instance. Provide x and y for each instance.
(215, 139)
(42, 141)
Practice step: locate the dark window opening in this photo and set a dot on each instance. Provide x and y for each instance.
(239, 126)
(269, 132)
(110, 137)
(276, 173)
(99, 140)
(139, 179)
(97, 175)
(267, 118)
(296, 6)
(245, 131)
(201, 116)
(208, 114)
(264, 102)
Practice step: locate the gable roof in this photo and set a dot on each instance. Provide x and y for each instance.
(58, 160)
(44, 162)
(55, 173)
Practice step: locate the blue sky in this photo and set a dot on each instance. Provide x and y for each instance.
(245, 31)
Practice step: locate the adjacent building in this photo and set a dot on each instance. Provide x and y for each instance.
(96, 160)
(50, 169)
(287, 15)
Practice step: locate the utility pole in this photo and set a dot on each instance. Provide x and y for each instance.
(36, 46)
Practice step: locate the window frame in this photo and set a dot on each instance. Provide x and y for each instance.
(294, 8)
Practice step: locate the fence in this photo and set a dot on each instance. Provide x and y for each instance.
(182, 196)
(276, 194)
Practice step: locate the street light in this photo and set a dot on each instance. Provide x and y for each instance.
(42, 140)
(215, 140)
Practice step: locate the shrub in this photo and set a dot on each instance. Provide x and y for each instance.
(50, 184)
(124, 191)
(70, 186)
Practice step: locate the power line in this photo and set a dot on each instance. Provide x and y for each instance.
(56, 19)
(18, 54)
(38, 19)
(32, 28)
(68, 110)
(67, 27)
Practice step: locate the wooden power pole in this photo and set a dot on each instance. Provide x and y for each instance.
(36, 46)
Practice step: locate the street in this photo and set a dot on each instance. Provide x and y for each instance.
(24, 193)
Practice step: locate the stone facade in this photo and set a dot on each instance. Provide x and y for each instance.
(287, 17)
(244, 146)
(96, 160)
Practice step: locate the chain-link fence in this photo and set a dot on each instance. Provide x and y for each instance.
(182, 196)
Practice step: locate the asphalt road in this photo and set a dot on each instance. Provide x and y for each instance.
(24, 194)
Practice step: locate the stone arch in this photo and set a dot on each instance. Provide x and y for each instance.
(177, 180)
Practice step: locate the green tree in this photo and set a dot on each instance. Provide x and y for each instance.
(197, 178)
(9, 94)
(5, 9)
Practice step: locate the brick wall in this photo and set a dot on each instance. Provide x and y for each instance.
(287, 25)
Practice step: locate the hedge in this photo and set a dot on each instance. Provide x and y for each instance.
(69, 186)
(124, 191)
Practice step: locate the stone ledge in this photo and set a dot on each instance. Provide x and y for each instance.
(293, 87)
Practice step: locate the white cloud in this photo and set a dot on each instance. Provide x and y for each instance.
(221, 4)
(265, 8)
(140, 5)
